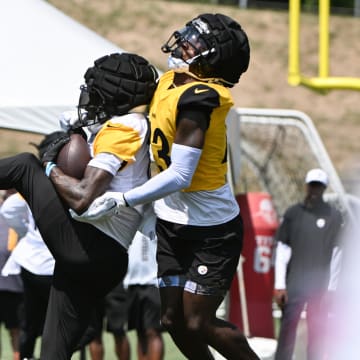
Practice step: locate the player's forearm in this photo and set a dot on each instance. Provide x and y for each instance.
(68, 189)
(79, 194)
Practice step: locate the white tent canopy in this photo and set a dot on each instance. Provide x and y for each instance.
(44, 55)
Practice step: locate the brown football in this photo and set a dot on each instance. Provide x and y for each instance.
(74, 156)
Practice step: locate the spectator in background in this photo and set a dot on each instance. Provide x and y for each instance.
(34, 261)
(11, 287)
(111, 313)
(143, 293)
(307, 244)
(138, 306)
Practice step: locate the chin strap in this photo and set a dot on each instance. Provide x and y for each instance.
(208, 80)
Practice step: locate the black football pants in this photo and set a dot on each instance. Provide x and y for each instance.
(88, 262)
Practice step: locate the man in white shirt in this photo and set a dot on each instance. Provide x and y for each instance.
(32, 259)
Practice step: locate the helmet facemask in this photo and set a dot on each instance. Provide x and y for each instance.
(185, 38)
(91, 107)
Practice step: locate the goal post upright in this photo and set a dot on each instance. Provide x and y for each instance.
(324, 81)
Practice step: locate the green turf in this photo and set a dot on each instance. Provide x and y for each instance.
(171, 351)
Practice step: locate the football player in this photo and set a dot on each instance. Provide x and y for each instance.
(90, 257)
(199, 226)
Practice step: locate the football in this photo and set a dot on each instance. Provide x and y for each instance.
(74, 156)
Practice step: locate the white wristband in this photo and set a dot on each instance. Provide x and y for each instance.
(49, 166)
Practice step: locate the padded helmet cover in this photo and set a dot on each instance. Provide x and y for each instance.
(119, 82)
(232, 50)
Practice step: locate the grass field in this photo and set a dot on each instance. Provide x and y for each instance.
(171, 351)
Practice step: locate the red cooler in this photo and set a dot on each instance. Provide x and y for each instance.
(260, 224)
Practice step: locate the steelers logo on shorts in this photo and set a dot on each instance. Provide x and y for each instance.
(320, 223)
(202, 269)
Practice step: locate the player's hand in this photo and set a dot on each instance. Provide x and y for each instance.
(46, 141)
(95, 211)
(69, 120)
(79, 131)
(280, 297)
(109, 198)
(104, 205)
(51, 152)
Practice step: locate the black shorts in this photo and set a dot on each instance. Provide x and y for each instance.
(10, 306)
(144, 307)
(202, 259)
(111, 312)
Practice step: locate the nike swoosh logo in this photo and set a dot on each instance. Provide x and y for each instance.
(199, 91)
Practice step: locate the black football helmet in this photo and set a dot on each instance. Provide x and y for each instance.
(221, 46)
(115, 84)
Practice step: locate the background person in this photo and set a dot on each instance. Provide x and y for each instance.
(111, 314)
(11, 287)
(137, 306)
(199, 227)
(307, 241)
(143, 298)
(90, 257)
(32, 259)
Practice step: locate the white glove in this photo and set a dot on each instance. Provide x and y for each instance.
(69, 119)
(111, 200)
(104, 205)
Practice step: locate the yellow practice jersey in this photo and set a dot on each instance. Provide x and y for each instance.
(121, 147)
(127, 138)
(166, 104)
(121, 138)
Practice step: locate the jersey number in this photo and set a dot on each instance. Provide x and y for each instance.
(165, 149)
(163, 153)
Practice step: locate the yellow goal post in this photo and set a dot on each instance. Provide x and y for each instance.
(323, 81)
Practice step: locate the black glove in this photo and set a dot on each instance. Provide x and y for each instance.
(45, 142)
(50, 153)
(79, 131)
